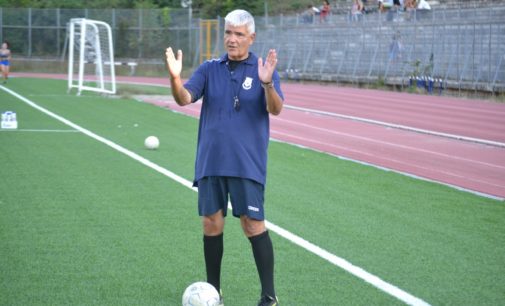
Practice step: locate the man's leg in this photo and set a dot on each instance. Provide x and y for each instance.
(247, 199)
(263, 253)
(213, 247)
(212, 205)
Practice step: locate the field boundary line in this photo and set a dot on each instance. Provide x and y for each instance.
(391, 144)
(415, 176)
(39, 130)
(297, 240)
(399, 126)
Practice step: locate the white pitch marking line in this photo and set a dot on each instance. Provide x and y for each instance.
(39, 130)
(144, 84)
(388, 288)
(391, 144)
(390, 169)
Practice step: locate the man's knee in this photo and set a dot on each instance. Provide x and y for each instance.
(252, 227)
(213, 225)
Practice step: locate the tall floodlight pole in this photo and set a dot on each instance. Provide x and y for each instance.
(188, 4)
(266, 11)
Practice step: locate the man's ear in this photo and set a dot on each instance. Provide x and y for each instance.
(253, 37)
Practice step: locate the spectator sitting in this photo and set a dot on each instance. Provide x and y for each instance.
(357, 10)
(325, 11)
(308, 14)
(365, 4)
(410, 4)
(389, 6)
(410, 9)
(385, 5)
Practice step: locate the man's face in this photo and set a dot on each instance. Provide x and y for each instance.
(237, 41)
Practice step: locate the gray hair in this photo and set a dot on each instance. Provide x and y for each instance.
(238, 18)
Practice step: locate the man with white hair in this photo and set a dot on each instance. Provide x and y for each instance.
(239, 91)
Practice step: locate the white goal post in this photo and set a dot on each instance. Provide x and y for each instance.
(90, 56)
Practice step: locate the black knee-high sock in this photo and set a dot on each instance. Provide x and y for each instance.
(263, 252)
(213, 253)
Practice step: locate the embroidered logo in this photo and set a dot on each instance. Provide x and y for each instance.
(247, 83)
(256, 209)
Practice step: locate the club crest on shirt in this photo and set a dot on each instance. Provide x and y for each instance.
(247, 83)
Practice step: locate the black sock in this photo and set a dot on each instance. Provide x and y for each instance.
(263, 252)
(213, 253)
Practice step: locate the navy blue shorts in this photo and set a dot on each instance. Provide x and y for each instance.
(246, 196)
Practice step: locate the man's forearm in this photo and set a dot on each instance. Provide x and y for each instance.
(274, 101)
(180, 94)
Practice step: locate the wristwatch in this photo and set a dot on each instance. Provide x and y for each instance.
(267, 85)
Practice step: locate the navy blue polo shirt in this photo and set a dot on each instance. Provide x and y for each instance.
(231, 142)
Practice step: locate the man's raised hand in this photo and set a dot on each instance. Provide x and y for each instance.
(266, 70)
(174, 64)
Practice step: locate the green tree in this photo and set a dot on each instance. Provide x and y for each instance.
(202, 8)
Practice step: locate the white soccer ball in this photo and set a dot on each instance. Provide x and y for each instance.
(200, 294)
(152, 142)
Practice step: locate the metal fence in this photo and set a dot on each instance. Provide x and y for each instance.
(137, 33)
(465, 47)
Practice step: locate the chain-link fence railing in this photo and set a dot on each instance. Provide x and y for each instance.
(464, 47)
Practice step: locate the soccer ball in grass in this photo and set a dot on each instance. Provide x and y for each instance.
(152, 142)
(200, 294)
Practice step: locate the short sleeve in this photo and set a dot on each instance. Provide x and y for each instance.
(196, 83)
(277, 84)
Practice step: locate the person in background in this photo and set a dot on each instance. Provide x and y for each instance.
(5, 58)
(309, 13)
(325, 11)
(395, 48)
(410, 9)
(410, 4)
(388, 7)
(365, 6)
(357, 10)
(381, 6)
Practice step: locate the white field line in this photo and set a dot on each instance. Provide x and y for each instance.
(399, 126)
(39, 130)
(391, 144)
(482, 194)
(386, 287)
(167, 85)
(196, 114)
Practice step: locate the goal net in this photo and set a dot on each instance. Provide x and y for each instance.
(90, 56)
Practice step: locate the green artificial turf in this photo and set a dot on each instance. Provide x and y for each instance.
(82, 224)
(126, 90)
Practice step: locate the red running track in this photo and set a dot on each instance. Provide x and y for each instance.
(471, 118)
(473, 166)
